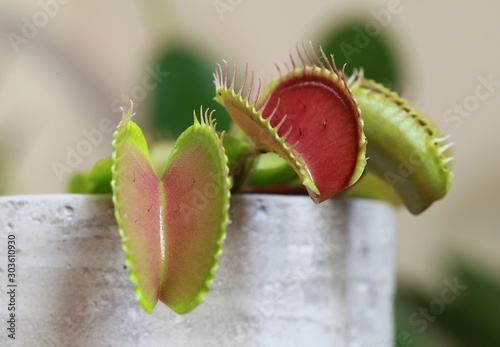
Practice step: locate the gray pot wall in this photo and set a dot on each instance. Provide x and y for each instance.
(292, 274)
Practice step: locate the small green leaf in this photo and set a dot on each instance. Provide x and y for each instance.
(79, 183)
(97, 181)
(272, 170)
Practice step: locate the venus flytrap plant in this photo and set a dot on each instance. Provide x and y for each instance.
(405, 150)
(295, 105)
(172, 223)
(308, 117)
(310, 122)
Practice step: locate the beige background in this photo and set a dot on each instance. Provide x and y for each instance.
(66, 77)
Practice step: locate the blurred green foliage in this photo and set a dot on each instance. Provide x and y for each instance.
(188, 85)
(466, 310)
(97, 181)
(354, 43)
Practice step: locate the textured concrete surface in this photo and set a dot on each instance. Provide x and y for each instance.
(292, 274)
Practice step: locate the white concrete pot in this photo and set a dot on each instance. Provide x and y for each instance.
(292, 274)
